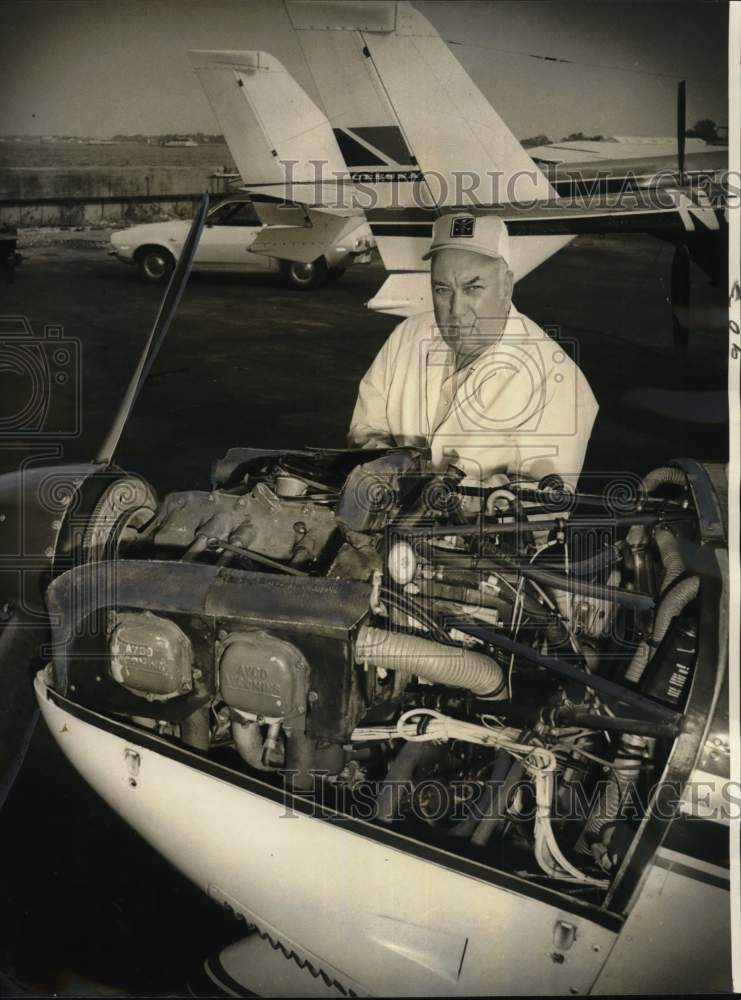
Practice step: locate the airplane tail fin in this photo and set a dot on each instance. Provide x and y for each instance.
(275, 132)
(414, 129)
(384, 65)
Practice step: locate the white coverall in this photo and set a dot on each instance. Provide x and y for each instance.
(522, 408)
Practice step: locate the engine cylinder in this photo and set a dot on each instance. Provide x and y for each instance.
(151, 656)
(263, 675)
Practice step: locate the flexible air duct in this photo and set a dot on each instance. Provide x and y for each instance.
(675, 601)
(668, 545)
(433, 661)
(664, 476)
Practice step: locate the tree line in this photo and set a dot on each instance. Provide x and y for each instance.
(705, 129)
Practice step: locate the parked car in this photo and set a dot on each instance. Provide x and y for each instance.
(232, 228)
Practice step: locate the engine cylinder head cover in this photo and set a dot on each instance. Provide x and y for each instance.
(263, 675)
(151, 656)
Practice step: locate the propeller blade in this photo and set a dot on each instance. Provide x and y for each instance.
(680, 295)
(19, 647)
(681, 127)
(167, 310)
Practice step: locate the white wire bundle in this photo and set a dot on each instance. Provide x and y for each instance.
(440, 728)
(539, 762)
(547, 852)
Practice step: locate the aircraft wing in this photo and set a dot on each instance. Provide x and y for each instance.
(623, 175)
(669, 212)
(640, 150)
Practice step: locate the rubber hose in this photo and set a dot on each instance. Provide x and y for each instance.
(665, 475)
(668, 546)
(396, 786)
(433, 661)
(600, 723)
(602, 560)
(673, 603)
(572, 585)
(483, 808)
(497, 803)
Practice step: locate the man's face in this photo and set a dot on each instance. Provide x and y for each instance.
(471, 295)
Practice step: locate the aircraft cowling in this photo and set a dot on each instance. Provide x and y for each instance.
(33, 505)
(51, 517)
(37, 507)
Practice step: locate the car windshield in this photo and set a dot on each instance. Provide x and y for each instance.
(234, 213)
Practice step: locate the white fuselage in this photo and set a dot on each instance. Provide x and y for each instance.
(375, 912)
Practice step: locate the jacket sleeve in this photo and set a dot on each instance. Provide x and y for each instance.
(369, 426)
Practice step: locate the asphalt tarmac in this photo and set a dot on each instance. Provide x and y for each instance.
(250, 362)
(88, 906)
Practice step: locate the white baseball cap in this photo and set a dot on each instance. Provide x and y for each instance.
(484, 234)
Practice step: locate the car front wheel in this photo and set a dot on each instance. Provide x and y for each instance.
(155, 264)
(304, 276)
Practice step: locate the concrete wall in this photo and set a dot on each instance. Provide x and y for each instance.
(50, 194)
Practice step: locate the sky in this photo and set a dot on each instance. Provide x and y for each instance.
(101, 67)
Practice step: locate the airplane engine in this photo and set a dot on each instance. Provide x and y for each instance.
(491, 668)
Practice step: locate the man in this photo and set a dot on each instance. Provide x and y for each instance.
(478, 383)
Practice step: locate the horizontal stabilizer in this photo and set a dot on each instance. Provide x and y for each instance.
(402, 251)
(306, 243)
(279, 213)
(403, 294)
